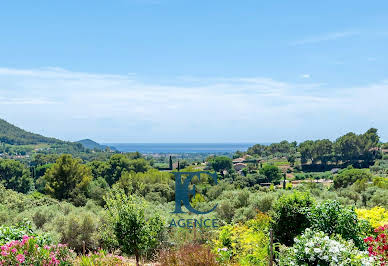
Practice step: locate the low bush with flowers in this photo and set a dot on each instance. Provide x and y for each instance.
(9, 233)
(377, 216)
(245, 244)
(317, 248)
(101, 258)
(28, 252)
(378, 246)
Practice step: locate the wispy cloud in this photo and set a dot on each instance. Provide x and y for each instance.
(305, 76)
(106, 107)
(325, 37)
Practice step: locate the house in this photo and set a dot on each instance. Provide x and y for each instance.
(239, 166)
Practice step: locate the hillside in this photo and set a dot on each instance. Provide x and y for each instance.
(90, 144)
(14, 135)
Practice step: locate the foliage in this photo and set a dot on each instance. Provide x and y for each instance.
(135, 233)
(188, 255)
(350, 176)
(220, 163)
(11, 233)
(377, 216)
(68, 179)
(290, 216)
(378, 246)
(14, 175)
(118, 164)
(100, 258)
(244, 243)
(80, 227)
(317, 248)
(151, 183)
(271, 172)
(332, 218)
(13, 135)
(28, 252)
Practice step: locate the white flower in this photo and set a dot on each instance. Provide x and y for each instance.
(317, 250)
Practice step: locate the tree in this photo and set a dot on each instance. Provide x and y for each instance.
(14, 175)
(221, 163)
(135, 232)
(306, 151)
(271, 172)
(139, 165)
(322, 150)
(68, 179)
(290, 216)
(349, 176)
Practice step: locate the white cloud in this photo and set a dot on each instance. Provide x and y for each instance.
(305, 76)
(325, 37)
(75, 105)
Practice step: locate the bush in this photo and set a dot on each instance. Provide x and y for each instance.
(290, 216)
(332, 218)
(317, 248)
(135, 233)
(378, 246)
(100, 258)
(12, 233)
(28, 252)
(377, 216)
(245, 244)
(188, 255)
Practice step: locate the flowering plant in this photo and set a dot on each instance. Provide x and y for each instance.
(28, 252)
(377, 216)
(317, 248)
(378, 246)
(244, 243)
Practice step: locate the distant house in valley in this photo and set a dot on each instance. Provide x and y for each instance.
(239, 166)
(245, 159)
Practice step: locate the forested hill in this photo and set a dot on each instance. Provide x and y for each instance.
(14, 135)
(90, 144)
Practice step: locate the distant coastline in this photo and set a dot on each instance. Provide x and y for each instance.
(181, 147)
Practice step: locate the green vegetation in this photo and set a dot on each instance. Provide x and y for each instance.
(107, 203)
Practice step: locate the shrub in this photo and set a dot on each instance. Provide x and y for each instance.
(28, 252)
(245, 244)
(332, 218)
(377, 216)
(290, 216)
(12, 233)
(135, 233)
(317, 248)
(378, 246)
(188, 255)
(100, 258)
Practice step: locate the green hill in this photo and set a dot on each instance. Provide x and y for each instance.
(90, 144)
(14, 135)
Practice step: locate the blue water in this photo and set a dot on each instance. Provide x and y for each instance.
(181, 147)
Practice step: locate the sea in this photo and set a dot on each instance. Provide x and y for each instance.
(181, 147)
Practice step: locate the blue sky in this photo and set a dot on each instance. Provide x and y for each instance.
(194, 71)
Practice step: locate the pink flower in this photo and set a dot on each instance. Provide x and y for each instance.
(20, 258)
(14, 250)
(4, 253)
